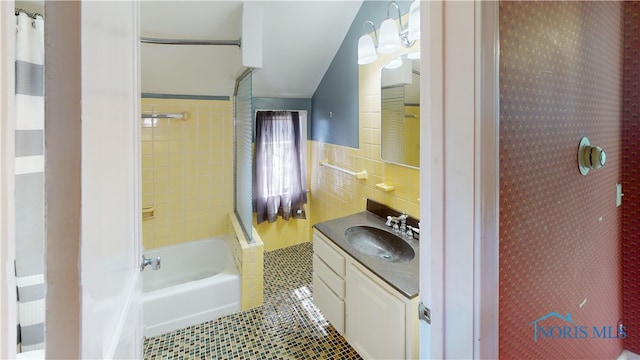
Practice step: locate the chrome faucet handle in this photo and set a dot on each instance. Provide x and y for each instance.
(391, 221)
(412, 230)
(154, 262)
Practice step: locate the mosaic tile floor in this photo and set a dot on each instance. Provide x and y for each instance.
(286, 326)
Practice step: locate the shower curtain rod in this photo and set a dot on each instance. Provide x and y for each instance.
(29, 14)
(150, 40)
(278, 110)
(244, 74)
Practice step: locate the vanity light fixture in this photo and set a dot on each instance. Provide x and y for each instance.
(391, 39)
(414, 27)
(366, 48)
(414, 21)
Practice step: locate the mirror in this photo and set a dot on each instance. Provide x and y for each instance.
(400, 112)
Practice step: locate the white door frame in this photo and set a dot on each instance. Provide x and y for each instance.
(432, 179)
(63, 113)
(93, 180)
(7, 181)
(459, 264)
(487, 181)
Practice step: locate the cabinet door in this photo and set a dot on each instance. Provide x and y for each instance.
(375, 318)
(331, 306)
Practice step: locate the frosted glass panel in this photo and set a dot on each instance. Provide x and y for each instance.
(243, 155)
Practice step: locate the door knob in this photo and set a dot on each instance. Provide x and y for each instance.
(590, 157)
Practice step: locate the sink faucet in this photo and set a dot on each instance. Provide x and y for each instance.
(402, 219)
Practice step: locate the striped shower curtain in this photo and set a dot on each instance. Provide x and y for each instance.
(29, 180)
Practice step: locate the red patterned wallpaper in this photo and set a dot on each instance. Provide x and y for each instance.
(631, 176)
(560, 79)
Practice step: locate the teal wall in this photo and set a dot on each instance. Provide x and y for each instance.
(334, 116)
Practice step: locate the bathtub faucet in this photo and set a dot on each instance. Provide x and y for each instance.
(154, 262)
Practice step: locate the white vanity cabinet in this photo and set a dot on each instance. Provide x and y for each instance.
(376, 317)
(328, 281)
(377, 320)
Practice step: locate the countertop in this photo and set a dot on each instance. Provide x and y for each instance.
(402, 276)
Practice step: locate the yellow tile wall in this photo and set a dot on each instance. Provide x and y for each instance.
(281, 233)
(337, 194)
(249, 260)
(187, 170)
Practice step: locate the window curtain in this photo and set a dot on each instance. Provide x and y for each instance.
(280, 169)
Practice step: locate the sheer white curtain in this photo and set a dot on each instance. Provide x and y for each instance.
(29, 193)
(280, 169)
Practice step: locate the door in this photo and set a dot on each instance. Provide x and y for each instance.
(93, 178)
(111, 210)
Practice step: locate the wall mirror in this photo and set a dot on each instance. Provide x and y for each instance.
(400, 112)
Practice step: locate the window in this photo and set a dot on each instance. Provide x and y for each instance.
(280, 166)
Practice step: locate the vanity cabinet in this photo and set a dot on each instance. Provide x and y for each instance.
(378, 321)
(328, 281)
(376, 317)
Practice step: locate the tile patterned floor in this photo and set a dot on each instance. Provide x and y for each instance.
(286, 326)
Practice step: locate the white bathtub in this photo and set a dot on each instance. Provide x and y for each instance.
(197, 282)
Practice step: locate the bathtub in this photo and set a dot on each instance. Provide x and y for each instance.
(198, 281)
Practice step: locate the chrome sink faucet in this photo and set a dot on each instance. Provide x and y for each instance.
(399, 224)
(394, 220)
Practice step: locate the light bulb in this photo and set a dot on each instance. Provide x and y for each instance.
(389, 41)
(414, 21)
(366, 50)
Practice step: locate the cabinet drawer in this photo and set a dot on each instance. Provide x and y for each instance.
(329, 255)
(330, 278)
(331, 306)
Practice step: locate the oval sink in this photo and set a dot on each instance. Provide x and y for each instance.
(379, 243)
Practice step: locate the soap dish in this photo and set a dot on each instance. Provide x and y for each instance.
(385, 187)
